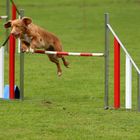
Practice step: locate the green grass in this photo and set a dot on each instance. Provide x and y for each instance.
(72, 107)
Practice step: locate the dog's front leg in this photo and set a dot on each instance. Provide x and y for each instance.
(24, 47)
(31, 50)
(32, 46)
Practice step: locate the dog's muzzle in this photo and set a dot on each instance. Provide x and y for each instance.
(16, 35)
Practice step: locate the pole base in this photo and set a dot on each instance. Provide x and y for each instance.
(6, 94)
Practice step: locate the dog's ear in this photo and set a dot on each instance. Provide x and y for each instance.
(27, 20)
(8, 24)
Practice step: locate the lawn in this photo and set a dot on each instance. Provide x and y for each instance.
(71, 107)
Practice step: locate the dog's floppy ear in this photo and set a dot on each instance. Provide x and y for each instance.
(27, 20)
(8, 24)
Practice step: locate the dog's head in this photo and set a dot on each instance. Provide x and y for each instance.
(18, 26)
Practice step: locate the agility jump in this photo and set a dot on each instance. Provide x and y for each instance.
(129, 62)
(117, 45)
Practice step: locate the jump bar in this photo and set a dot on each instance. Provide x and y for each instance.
(3, 17)
(69, 53)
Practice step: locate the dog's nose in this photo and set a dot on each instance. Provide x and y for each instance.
(12, 33)
(15, 34)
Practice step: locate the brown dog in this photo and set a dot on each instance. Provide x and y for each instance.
(34, 37)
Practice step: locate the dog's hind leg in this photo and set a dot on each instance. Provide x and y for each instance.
(58, 48)
(54, 59)
(65, 62)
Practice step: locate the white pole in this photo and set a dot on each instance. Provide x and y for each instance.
(128, 84)
(19, 42)
(1, 71)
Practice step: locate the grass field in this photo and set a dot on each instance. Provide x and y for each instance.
(71, 107)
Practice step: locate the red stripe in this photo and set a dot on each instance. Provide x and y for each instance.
(116, 74)
(39, 51)
(86, 54)
(62, 53)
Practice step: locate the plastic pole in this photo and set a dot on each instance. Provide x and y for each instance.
(116, 74)
(12, 59)
(1, 71)
(128, 84)
(11, 67)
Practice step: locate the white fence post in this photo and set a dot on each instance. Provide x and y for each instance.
(128, 84)
(1, 71)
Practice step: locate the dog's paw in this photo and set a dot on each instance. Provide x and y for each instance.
(59, 74)
(31, 50)
(27, 51)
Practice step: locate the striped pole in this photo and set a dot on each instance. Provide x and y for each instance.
(69, 53)
(128, 84)
(116, 74)
(12, 59)
(1, 72)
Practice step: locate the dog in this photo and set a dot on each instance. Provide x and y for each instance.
(34, 37)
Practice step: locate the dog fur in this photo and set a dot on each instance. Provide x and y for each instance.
(34, 37)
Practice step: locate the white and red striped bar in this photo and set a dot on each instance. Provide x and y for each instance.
(3, 17)
(69, 53)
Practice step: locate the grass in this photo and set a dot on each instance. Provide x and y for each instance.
(71, 107)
